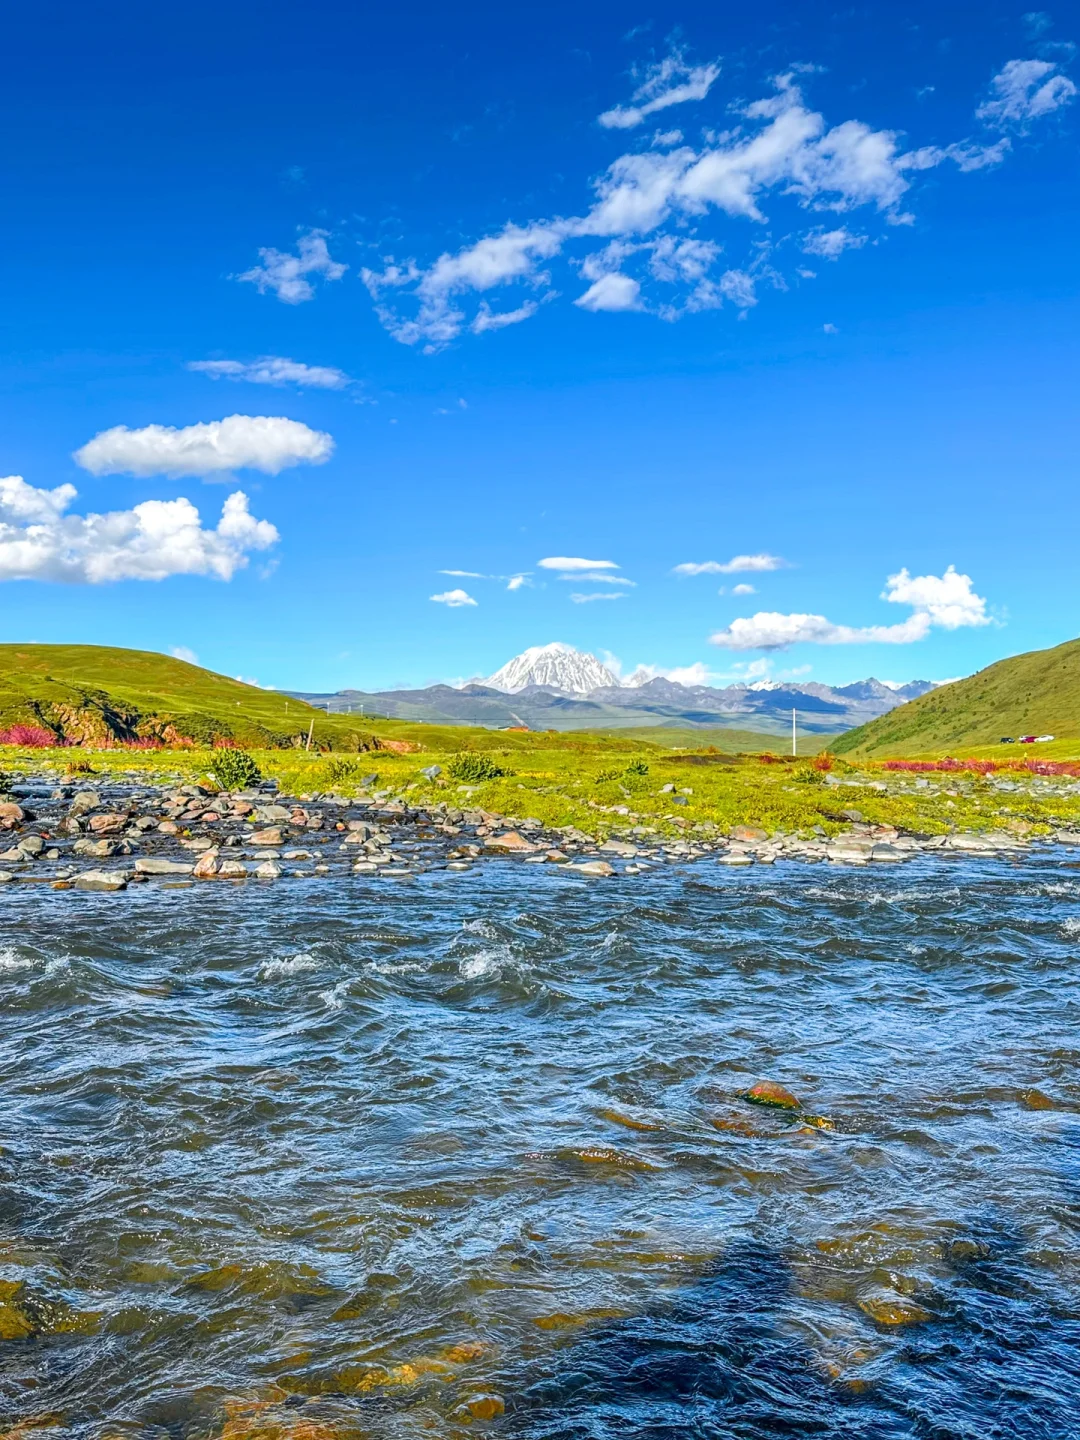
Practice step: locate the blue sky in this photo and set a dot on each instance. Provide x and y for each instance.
(789, 295)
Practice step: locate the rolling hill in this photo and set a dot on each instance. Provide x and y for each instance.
(98, 694)
(1037, 693)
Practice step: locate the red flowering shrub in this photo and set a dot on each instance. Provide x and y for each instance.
(33, 737)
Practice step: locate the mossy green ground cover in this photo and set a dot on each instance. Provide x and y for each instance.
(607, 785)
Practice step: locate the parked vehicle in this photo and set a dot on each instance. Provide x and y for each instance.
(1006, 740)
(1027, 739)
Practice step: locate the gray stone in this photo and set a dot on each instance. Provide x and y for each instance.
(598, 868)
(104, 880)
(619, 847)
(95, 849)
(431, 772)
(268, 870)
(153, 866)
(889, 854)
(84, 800)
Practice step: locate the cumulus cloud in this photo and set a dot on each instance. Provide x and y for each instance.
(573, 562)
(40, 540)
(269, 443)
(453, 598)
(273, 370)
(1023, 91)
(831, 244)
(670, 81)
(285, 275)
(181, 652)
(948, 601)
(743, 589)
(737, 565)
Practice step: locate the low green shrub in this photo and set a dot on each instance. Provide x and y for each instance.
(470, 767)
(340, 771)
(235, 769)
(603, 776)
(637, 767)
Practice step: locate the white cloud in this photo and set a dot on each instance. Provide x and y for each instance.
(453, 598)
(696, 674)
(596, 577)
(743, 590)
(585, 599)
(614, 291)
(829, 328)
(737, 565)
(273, 370)
(181, 652)
(159, 538)
(465, 574)
(649, 204)
(488, 319)
(669, 82)
(515, 582)
(240, 442)
(948, 601)
(284, 274)
(570, 562)
(831, 244)
(1025, 90)
(780, 148)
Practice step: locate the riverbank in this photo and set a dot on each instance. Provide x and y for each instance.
(107, 832)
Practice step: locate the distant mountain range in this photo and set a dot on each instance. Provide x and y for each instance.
(554, 687)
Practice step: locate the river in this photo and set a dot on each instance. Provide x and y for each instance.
(467, 1154)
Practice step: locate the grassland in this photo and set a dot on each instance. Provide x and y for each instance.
(600, 782)
(1037, 693)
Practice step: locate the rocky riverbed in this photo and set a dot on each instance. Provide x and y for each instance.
(109, 836)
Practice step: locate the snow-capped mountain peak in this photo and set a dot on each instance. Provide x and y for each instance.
(560, 666)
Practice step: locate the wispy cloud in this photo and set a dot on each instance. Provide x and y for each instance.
(1024, 91)
(453, 598)
(737, 565)
(595, 595)
(671, 81)
(947, 601)
(596, 577)
(642, 244)
(273, 370)
(285, 275)
(269, 443)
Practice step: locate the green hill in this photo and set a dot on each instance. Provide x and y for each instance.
(1033, 694)
(96, 694)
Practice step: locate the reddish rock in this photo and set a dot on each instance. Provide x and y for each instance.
(11, 815)
(747, 833)
(270, 836)
(509, 840)
(207, 866)
(169, 827)
(768, 1092)
(110, 823)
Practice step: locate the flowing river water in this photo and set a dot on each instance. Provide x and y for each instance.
(466, 1154)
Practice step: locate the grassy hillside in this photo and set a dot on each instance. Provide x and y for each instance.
(96, 694)
(1033, 694)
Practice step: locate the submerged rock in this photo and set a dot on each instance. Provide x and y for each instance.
(770, 1092)
(598, 868)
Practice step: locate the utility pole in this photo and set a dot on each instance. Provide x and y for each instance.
(794, 740)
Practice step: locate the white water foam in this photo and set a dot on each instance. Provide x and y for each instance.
(288, 965)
